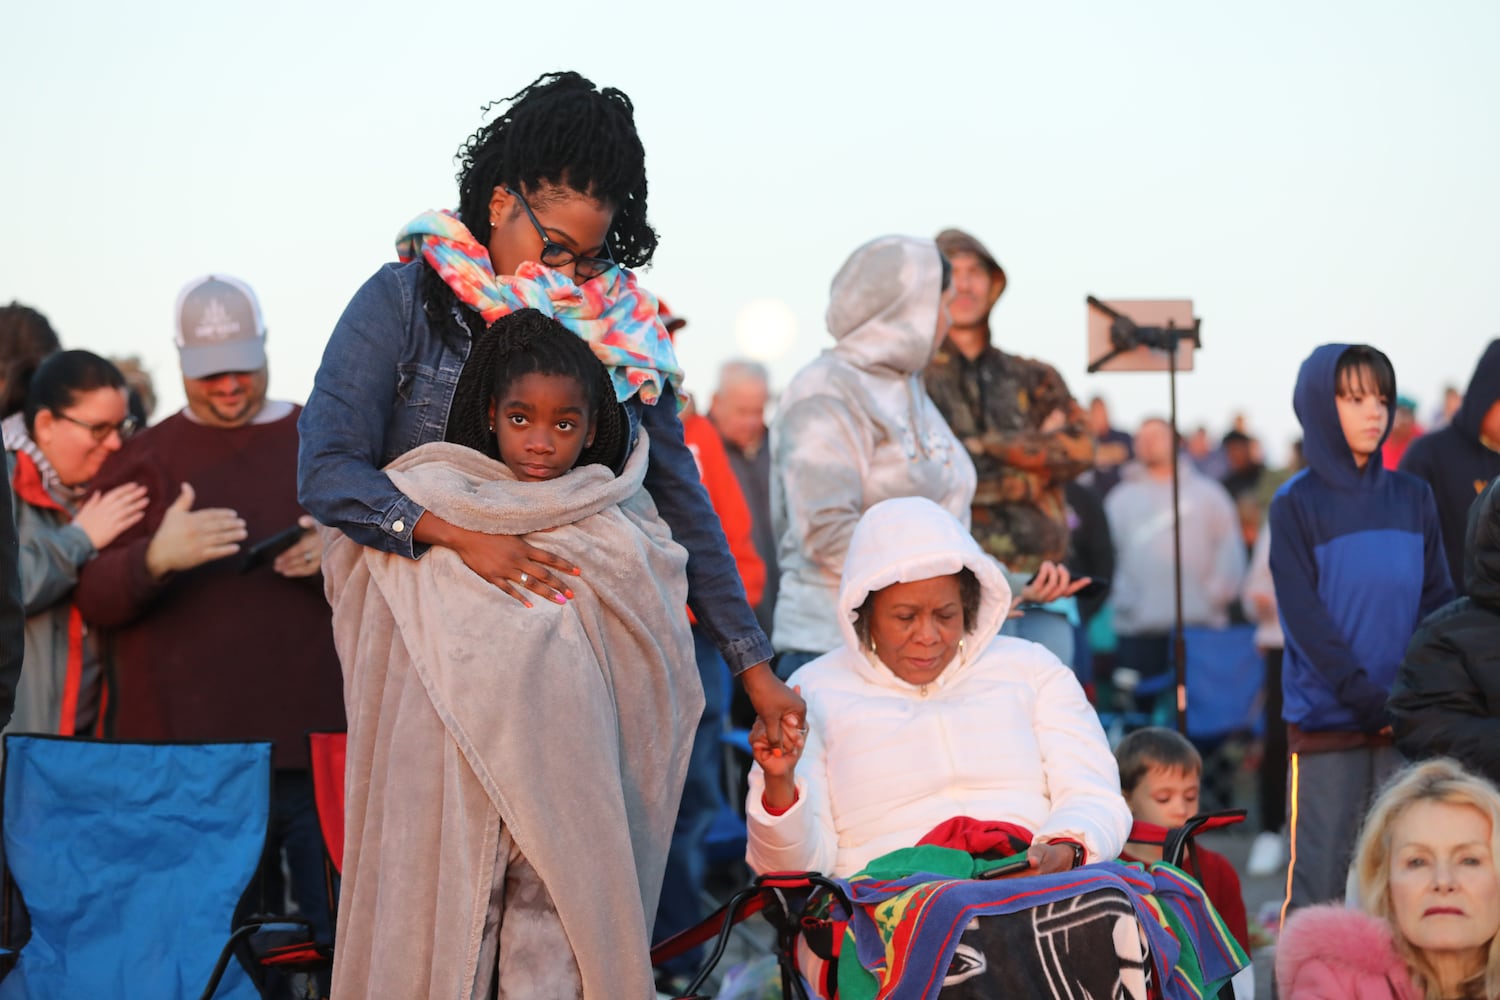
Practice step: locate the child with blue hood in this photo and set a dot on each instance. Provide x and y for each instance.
(1357, 559)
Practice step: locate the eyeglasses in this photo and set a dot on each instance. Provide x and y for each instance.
(101, 432)
(556, 255)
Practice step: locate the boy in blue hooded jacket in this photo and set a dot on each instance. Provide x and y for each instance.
(1357, 560)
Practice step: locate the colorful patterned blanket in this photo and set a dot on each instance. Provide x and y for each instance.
(1111, 929)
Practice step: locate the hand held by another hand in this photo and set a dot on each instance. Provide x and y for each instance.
(778, 763)
(780, 708)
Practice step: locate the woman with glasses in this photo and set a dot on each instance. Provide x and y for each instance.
(551, 215)
(76, 416)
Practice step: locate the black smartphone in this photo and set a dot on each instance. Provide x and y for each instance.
(1094, 588)
(268, 549)
(1013, 865)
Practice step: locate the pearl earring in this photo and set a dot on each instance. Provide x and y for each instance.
(872, 644)
(492, 428)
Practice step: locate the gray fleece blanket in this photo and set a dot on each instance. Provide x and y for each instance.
(570, 725)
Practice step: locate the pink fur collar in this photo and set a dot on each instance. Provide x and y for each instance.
(1338, 936)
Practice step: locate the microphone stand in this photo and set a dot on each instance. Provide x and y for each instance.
(1126, 335)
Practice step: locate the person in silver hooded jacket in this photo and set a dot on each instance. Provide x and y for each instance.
(856, 427)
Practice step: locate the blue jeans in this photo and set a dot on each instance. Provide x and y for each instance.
(1083, 656)
(294, 829)
(1150, 656)
(1046, 628)
(791, 660)
(702, 797)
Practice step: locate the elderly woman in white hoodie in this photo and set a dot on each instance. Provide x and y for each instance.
(924, 714)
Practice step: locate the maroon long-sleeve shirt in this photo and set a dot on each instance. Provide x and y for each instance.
(214, 653)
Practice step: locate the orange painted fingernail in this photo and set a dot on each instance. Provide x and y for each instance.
(568, 594)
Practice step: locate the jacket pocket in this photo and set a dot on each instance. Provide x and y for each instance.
(414, 383)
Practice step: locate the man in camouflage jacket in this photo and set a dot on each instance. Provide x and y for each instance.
(1027, 435)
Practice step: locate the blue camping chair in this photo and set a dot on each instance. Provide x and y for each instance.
(1225, 674)
(131, 860)
(1225, 677)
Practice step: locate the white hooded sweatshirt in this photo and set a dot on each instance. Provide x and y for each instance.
(856, 427)
(1003, 734)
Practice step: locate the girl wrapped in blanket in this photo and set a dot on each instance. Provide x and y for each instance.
(514, 768)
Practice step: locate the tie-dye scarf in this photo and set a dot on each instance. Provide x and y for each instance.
(612, 312)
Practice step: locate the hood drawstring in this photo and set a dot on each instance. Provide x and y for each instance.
(920, 439)
(916, 435)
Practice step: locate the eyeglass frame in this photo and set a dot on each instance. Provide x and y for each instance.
(101, 431)
(549, 245)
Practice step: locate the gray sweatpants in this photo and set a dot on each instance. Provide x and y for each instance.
(1328, 795)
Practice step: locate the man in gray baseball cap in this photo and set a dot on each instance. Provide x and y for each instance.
(215, 599)
(219, 327)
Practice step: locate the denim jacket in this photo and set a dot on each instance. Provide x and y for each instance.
(386, 385)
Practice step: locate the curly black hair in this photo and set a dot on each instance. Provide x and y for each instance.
(528, 342)
(562, 130)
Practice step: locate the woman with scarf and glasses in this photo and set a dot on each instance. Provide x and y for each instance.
(551, 215)
(76, 415)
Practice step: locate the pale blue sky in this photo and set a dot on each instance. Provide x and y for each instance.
(1304, 171)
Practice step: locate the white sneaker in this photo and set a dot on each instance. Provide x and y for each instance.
(1267, 854)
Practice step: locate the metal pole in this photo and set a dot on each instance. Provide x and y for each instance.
(1179, 646)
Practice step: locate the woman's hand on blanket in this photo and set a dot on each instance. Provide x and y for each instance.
(779, 708)
(506, 561)
(1049, 858)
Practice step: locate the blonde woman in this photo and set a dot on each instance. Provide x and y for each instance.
(1430, 892)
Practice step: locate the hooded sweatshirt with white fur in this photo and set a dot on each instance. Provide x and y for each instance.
(1003, 734)
(856, 427)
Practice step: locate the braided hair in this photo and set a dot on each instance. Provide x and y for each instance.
(562, 130)
(559, 130)
(528, 342)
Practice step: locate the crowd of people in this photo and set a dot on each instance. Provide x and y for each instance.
(503, 548)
